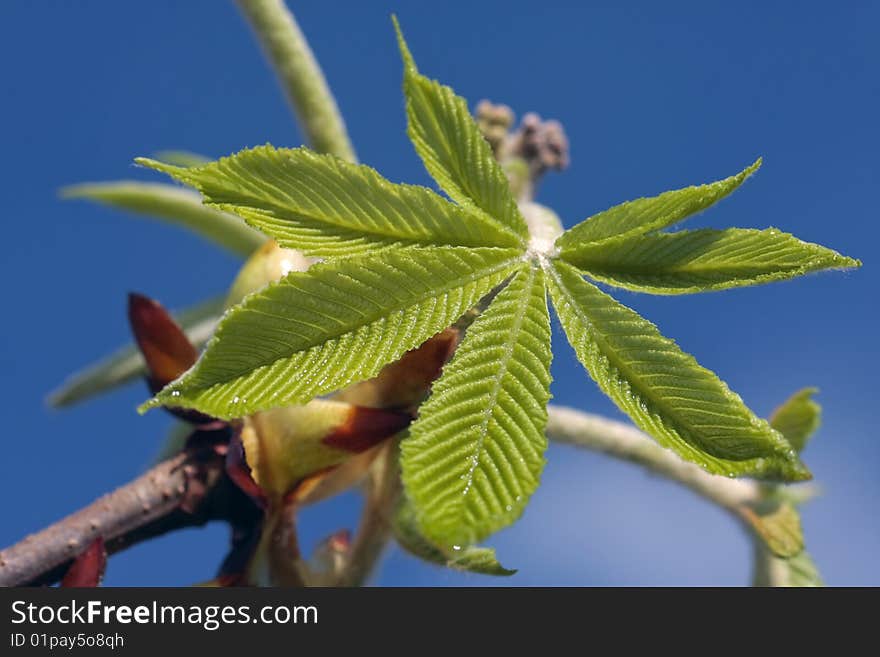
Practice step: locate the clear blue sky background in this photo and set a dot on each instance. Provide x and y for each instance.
(653, 96)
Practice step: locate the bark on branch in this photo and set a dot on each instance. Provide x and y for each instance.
(189, 489)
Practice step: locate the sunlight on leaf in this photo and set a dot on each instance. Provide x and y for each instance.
(339, 322)
(665, 392)
(475, 455)
(325, 206)
(452, 147)
(648, 214)
(704, 260)
(182, 158)
(798, 418)
(473, 559)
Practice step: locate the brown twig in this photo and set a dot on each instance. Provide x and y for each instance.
(189, 489)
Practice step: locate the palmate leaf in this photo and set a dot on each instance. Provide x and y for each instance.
(798, 418)
(176, 206)
(703, 260)
(665, 392)
(475, 455)
(339, 322)
(325, 206)
(454, 151)
(644, 215)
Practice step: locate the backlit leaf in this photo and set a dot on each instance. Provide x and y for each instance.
(317, 331)
(703, 260)
(182, 158)
(665, 391)
(648, 214)
(325, 206)
(475, 455)
(454, 151)
(798, 418)
(469, 558)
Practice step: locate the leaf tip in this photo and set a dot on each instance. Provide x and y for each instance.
(149, 405)
(170, 169)
(409, 63)
(58, 398)
(79, 190)
(163, 399)
(797, 470)
(749, 171)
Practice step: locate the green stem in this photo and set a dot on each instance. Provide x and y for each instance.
(301, 78)
(382, 491)
(567, 425)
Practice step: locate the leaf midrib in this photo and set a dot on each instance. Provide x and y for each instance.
(379, 313)
(611, 268)
(487, 413)
(276, 211)
(610, 354)
(418, 81)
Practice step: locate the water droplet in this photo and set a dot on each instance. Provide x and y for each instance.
(235, 399)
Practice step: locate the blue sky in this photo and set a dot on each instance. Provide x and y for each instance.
(653, 96)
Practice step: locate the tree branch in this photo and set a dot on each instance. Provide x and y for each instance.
(567, 425)
(187, 490)
(191, 489)
(301, 78)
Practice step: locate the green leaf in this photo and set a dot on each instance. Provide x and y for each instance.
(176, 206)
(454, 151)
(684, 406)
(778, 524)
(182, 158)
(703, 260)
(647, 214)
(771, 570)
(475, 455)
(802, 571)
(325, 206)
(127, 364)
(798, 418)
(339, 322)
(472, 559)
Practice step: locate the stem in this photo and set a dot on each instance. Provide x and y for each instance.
(567, 425)
(382, 491)
(300, 75)
(187, 490)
